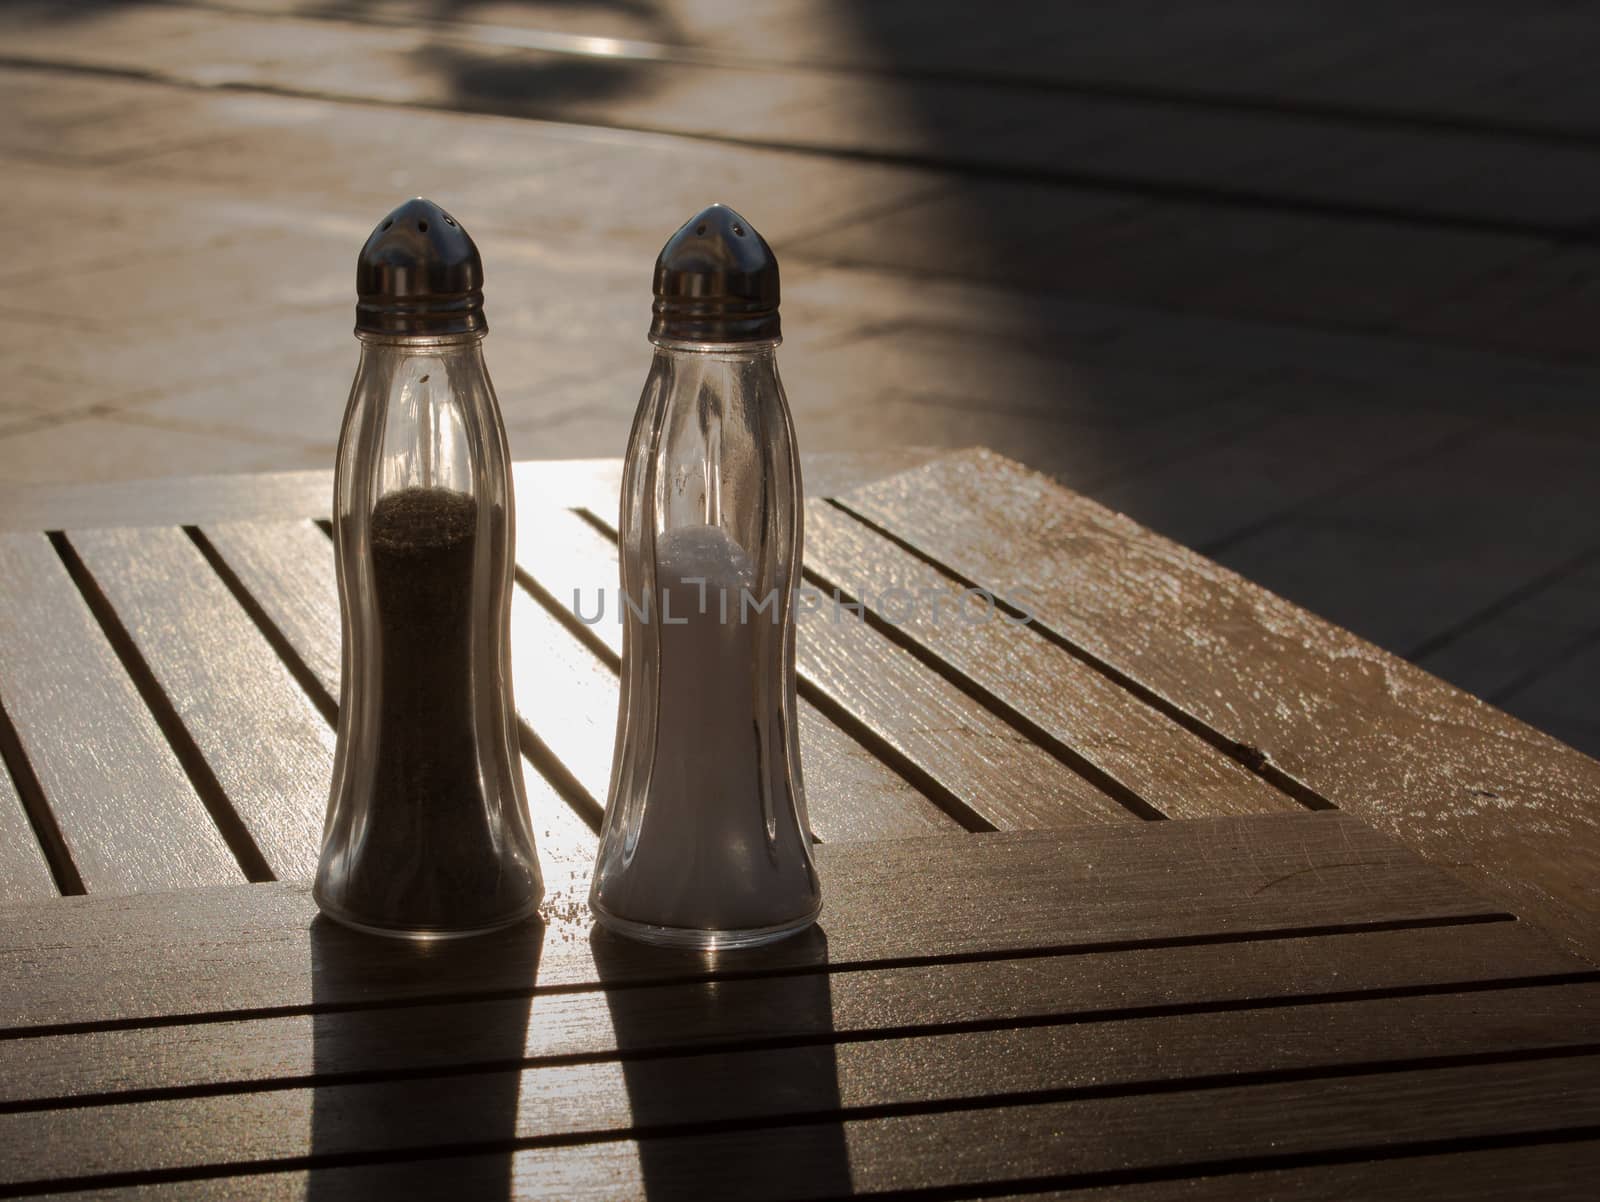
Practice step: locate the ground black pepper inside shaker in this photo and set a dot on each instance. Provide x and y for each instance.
(426, 792)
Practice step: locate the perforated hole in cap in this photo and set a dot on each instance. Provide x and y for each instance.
(423, 226)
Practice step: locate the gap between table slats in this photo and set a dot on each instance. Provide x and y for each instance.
(25, 830)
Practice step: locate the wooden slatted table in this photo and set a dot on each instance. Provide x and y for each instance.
(1173, 891)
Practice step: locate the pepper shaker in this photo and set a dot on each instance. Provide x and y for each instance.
(427, 833)
(706, 841)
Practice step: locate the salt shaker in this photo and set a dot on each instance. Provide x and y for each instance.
(427, 833)
(706, 841)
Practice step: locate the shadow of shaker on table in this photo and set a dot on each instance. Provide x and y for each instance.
(766, 1059)
(374, 1098)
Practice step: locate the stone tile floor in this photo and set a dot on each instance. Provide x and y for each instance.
(1312, 288)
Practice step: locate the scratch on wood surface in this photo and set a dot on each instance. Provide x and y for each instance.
(1319, 869)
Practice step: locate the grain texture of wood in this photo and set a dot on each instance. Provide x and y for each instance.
(1538, 1172)
(979, 1148)
(409, 1115)
(269, 747)
(1143, 750)
(79, 961)
(287, 569)
(1514, 810)
(200, 500)
(1138, 985)
(24, 872)
(128, 815)
(1104, 1131)
(851, 794)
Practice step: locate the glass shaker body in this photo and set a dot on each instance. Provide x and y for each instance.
(427, 832)
(706, 841)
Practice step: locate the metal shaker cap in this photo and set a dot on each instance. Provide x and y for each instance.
(419, 274)
(716, 281)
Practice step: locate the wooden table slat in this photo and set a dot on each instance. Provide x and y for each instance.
(128, 815)
(1144, 751)
(287, 568)
(261, 735)
(1543, 1171)
(155, 956)
(984, 768)
(1458, 780)
(24, 871)
(1138, 984)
